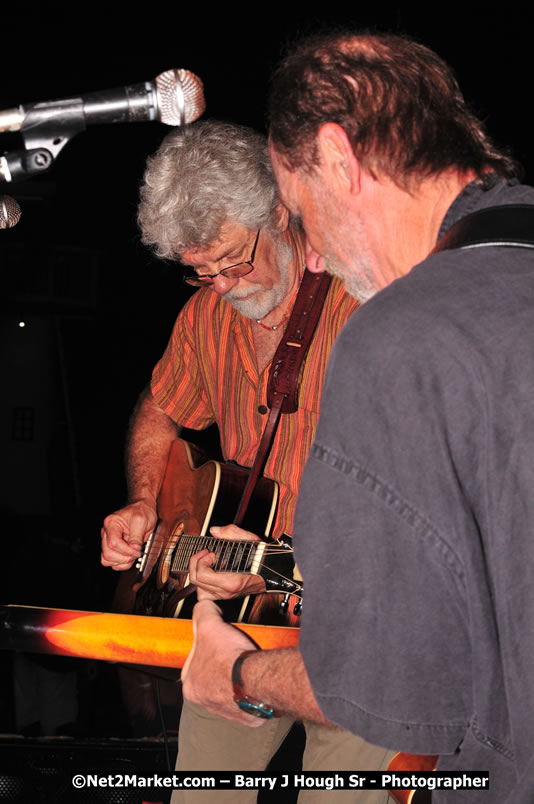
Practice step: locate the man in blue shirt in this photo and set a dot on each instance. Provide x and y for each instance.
(423, 464)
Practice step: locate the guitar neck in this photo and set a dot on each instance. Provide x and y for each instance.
(231, 555)
(157, 641)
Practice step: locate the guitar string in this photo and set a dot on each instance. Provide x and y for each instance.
(157, 537)
(271, 549)
(229, 553)
(228, 544)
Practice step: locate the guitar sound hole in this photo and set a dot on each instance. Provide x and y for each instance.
(164, 569)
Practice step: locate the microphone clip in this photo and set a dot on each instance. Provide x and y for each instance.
(48, 127)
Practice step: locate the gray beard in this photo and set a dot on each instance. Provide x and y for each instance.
(262, 301)
(357, 275)
(356, 285)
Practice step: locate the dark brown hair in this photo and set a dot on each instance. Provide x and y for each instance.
(397, 101)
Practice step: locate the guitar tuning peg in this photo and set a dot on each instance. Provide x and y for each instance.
(284, 605)
(297, 609)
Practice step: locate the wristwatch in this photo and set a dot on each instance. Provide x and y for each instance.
(251, 705)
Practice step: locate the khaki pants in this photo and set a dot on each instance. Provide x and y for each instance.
(207, 742)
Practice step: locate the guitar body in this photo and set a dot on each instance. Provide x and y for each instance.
(194, 496)
(151, 641)
(408, 763)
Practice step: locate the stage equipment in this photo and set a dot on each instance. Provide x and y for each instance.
(175, 97)
(9, 212)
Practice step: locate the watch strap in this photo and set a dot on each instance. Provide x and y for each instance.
(253, 706)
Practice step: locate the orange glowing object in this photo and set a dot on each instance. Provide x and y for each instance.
(156, 641)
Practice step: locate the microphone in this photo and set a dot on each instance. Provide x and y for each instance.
(9, 212)
(175, 97)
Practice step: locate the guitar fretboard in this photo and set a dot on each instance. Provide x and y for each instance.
(231, 556)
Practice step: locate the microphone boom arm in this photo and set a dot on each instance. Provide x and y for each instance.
(175, 97)
(47, 128)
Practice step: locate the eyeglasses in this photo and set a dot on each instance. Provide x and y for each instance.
(232, 272)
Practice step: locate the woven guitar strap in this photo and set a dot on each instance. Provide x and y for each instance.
(282, 386)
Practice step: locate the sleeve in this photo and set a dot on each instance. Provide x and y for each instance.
(178, 383)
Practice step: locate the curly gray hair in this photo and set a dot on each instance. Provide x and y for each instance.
(201, 176)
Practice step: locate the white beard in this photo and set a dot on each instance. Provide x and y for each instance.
(262, 301)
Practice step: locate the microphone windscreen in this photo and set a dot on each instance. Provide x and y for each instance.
(9, 212)
(180, 97)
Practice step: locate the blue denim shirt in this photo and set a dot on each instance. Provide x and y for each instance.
(416, 511)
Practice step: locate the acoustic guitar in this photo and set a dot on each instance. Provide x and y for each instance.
(195, 495)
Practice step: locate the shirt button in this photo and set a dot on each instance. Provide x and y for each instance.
(262, 409)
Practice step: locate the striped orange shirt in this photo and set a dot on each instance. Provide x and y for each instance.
(208, 374)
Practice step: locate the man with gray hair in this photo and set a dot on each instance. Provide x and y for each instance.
(209, 200)
(423, 460)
